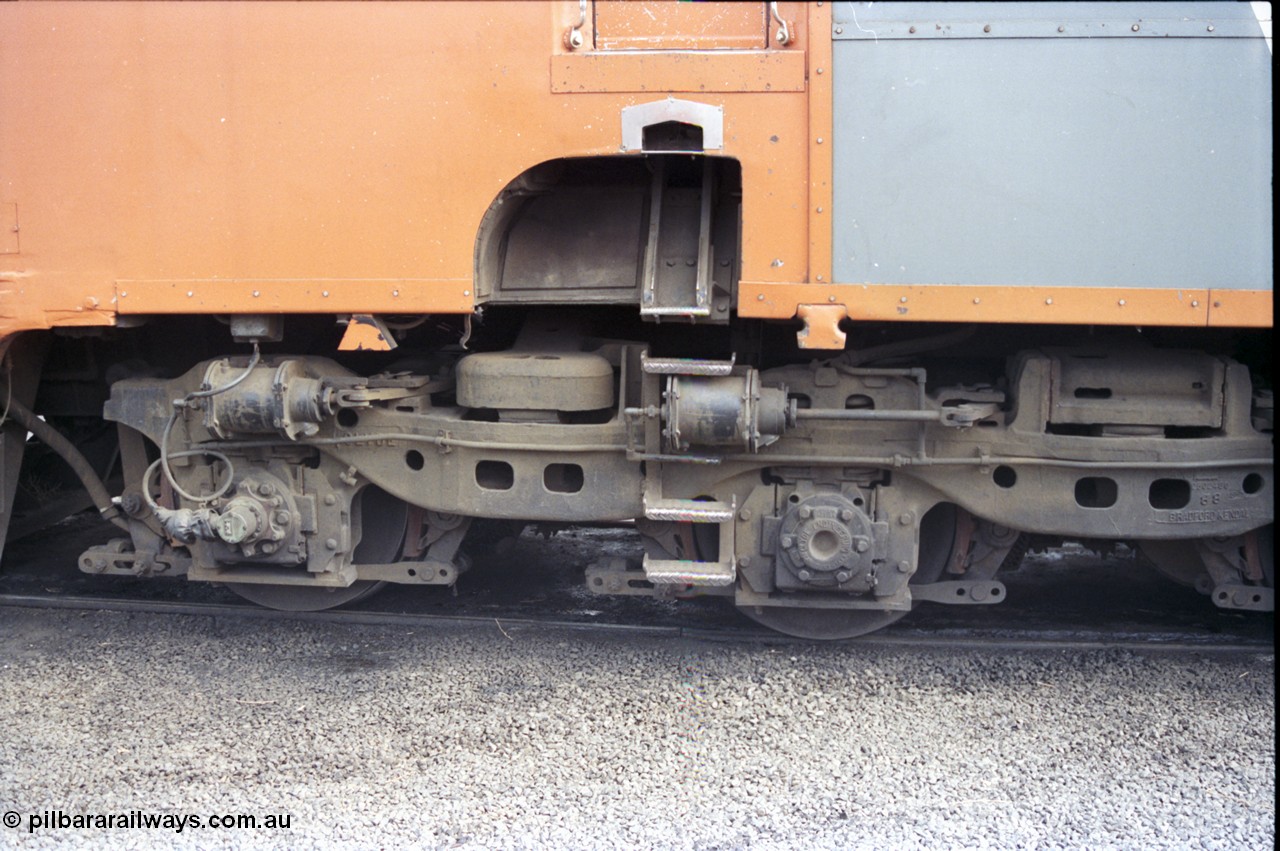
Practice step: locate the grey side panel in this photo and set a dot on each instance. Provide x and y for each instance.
(1037, 158)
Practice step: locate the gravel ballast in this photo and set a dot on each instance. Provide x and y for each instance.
(476, 737)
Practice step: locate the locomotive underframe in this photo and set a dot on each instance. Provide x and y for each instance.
(819, 508)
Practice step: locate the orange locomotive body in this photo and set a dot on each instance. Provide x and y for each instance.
(345, 284)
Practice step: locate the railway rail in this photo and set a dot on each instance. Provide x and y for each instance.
(994, 638)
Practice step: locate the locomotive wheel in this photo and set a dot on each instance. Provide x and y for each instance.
(937, 537)
(303, 598)
(383, 520)
(1181, 561)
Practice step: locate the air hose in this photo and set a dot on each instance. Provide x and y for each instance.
(65, 449)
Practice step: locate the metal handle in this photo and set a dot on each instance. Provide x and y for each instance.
(783, 35)
(573, 37)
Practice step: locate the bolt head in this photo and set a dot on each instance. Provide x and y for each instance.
(904, 566)
(805, 575)
(806, 512)
(132, 503)
(842, 576)
(331, 543)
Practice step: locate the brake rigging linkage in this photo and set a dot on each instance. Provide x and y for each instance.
(737, 410)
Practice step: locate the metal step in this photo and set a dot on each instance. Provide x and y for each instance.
(699, 573)
(686, 366)
(688, 511)
(691, 310)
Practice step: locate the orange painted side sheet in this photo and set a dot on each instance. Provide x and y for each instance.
(324, 157)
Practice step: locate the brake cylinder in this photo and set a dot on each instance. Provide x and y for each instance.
(280, 399)
(724, 411)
